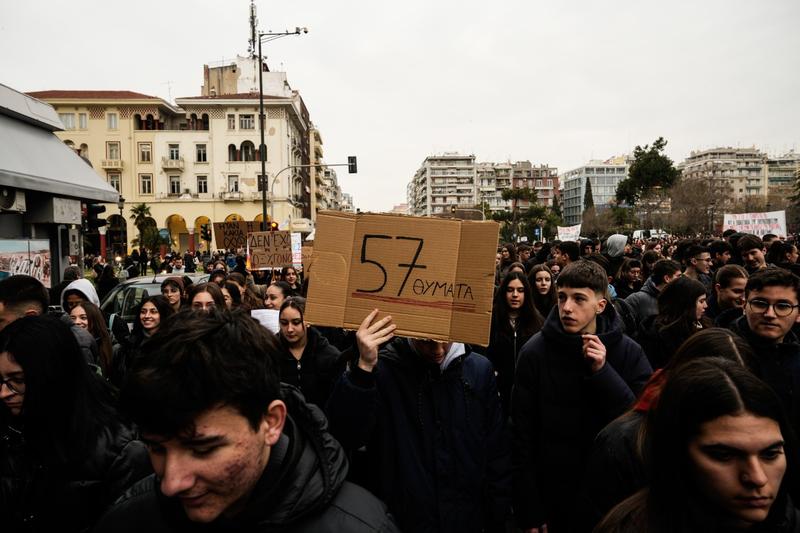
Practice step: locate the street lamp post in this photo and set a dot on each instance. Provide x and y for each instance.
(269, 36)
(122, 224)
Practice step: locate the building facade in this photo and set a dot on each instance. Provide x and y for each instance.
(454, 180)
(783, 171)
(604, 177)
(734, 173)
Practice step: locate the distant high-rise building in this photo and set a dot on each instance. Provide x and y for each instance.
(442, 181)
(782, 173)
(604, 177)
(735, 173)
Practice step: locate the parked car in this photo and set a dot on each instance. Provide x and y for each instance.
(122, 301)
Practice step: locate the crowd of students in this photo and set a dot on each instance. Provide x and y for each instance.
(646, 386)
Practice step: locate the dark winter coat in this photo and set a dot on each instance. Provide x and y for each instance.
(303, 488)
(644, 302)
(315, 372)
(660, 343)
(36, 497)
(503, 351)
(436, 441)
(557, 408)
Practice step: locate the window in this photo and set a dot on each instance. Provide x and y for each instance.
(113, 180)
(112, 121)
(174, 152)
(200, 151)
(145, 184)
(248, 151)
(233, 153)
(112, 150)
(68, 119)
(246, 122)
(82, 121)
(231, 122)
(202, 184)
(145, 152)
(174, 184)
(233, 183)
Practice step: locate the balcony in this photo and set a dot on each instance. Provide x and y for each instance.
(231, 196)
(111, 164)
(172, 164)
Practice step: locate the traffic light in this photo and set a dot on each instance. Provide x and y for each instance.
(93, 221)
(453, 209)
(205, 232)
(352, 165)
(273, 226)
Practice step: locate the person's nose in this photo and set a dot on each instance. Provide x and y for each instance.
(177, 477)
(5, 391)
(770, 312)
(753, 473)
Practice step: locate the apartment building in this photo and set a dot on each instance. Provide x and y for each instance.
(442, 181)
(734, 173)
(783, 171)
(604, 177)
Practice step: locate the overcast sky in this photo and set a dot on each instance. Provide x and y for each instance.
(556, 82)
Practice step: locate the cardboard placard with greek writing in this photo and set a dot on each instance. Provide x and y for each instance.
(233, 235)
(434, 276)
(269, 249)
(306, 258)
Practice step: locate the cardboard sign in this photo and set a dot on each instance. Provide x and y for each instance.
(434, 276)
(269, 249)
(267, 318)
(233, 235)
(757, 223)
(306, 258)
(569, 233)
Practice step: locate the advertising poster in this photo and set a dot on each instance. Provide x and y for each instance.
(22, 256)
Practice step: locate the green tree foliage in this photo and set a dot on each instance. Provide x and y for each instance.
(142, 219)
(555, 210)
(651, 170)
(588, 198)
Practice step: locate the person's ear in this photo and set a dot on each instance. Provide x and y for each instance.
(601, 305)
(273, 420)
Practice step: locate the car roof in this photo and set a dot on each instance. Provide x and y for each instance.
(158, 278)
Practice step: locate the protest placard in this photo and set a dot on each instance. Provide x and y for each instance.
(756, 223)
(569, 233)
(307, 251)
(435, 277)
(269, 249)
(233, 235)
(297, 250)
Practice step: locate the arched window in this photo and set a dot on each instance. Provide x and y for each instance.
(204, 119)
(233, 154)
(137, 121)
(84, 151)
(150, 123)
(248, 151)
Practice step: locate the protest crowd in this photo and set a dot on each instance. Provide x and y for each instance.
(627, 386)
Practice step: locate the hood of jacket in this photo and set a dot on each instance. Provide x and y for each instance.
(609, 329)
(742, 328)
(615, 245)
(85, 287)
(650, 288)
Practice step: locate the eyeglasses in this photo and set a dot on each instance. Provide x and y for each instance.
(781, 308)
(15, 385)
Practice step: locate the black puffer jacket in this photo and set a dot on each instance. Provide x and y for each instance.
(302, 489)
(436, 441)
(316, 370)
(503, 351)
(557, 408)
(35, 497)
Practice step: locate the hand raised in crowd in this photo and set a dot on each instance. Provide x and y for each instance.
(594, 351)
(370, 336)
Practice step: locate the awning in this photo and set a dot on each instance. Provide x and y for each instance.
(35, 159)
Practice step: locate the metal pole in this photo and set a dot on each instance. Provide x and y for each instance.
(263, 149)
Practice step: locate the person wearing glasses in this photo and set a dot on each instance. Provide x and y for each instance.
(66, 453)
(770, 312)
(698, 265)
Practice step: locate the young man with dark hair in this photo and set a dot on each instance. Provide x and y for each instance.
(727, 300)
(720, 254)
(20, 296)
(698, 264)
(429, 414)
(644, 303)
(524, 254)
(751, 249)
(232, 449)
(770, 313)
(566, 252)
(573, 377)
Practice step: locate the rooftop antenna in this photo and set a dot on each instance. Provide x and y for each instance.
(169, 89)
(253, 23)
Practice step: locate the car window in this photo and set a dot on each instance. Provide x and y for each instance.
(133, 296)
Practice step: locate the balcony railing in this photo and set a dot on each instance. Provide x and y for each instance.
(111, 164)
(172, 164)
(234, 196)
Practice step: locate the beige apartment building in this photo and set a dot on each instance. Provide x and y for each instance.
(198, 162)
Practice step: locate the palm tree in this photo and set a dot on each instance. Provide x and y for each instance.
(141, 216)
